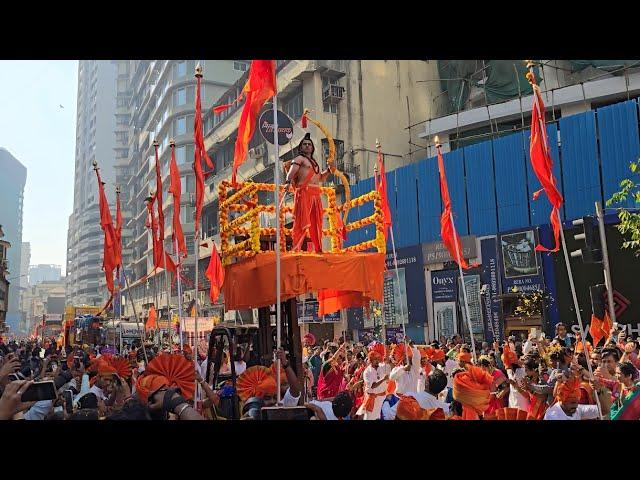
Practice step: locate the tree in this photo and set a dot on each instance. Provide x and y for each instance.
(629, 225)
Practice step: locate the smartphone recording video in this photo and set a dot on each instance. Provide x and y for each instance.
(38, 391)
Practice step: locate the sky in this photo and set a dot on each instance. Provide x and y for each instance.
(40, 133)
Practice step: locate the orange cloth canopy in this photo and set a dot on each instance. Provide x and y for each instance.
(250, 283)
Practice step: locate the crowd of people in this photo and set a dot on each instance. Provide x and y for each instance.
(534, 379)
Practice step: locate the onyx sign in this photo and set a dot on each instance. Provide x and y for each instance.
(285, 127)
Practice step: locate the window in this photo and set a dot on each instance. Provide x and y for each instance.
(293, 106)
(186, 214)
(189, 242)
(191, 184)
(180, 126)
(180, 69)
(240, 66)
(180, 155)
(183, 184)
(330, 107)
(180, 97)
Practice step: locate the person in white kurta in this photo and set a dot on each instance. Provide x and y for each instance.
(375, 386)
(516, 399)
(407, 377)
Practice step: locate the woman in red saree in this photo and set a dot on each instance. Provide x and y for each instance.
(498, 386)
(331, 375)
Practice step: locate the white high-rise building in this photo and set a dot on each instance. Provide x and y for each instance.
(95, 125)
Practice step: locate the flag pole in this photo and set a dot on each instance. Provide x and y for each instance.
(567, 262)
(464, 286)
(395, 266)
(172, 145)
(196, 243)
(179, 282)
(276, 169)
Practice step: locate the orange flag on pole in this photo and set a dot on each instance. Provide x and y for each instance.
(542, 163)
(175, 188)
(381, 187)
(450, 237)
(151, 321)
(109, 262)
(215, 274)
(260, 86)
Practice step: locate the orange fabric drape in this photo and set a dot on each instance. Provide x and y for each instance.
(332, 300)
(151, 321)
(472, 388)
(249, 284)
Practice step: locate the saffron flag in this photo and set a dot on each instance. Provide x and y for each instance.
(381, 187)
(151, 321)
(260, 86)
(450, 237)
(176, 190)
(215, 274)
(331, 300)
(153, 225)
(159, 199)
(542, 164)
(118, 231)
(200, 153)
(106, 223)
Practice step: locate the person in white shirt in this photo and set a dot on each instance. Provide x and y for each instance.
(407, 377)
(336, 409)
(375, 387)
(517, 399)
(436, 382)
(567, 406)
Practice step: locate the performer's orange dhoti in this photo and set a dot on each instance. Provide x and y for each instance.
(307, 212)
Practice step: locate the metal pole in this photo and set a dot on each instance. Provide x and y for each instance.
(464, 291)
(179, 293)
(195, 328)
(135, 314)
(276, 169)
(605, 262)
(577, 307)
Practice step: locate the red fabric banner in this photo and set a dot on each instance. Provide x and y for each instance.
(215, 274)
(260, 86)
(450, 237)
(542, 165)
(200, 153)
(109, 262)
(159, 199)
(175, 189)
(118, 231)
(381, 187)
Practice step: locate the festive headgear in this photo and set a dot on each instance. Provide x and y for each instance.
(568, 391)
(437, 355)
(410, 409)
(508, 357)
(176, 369)
(187, 349)
(378, 347)
(106, 370)
(148, 384)
(472, 388)
(121, 366)
(309, 339)
(464, 357)
(398, 353)
(374, 356)
(256, 381)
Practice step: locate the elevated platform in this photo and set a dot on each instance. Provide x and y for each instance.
(250, 283)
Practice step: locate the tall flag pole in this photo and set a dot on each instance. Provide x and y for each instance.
(381, 187)
(543, 167)
(119, 251)
(161, 229)
(255, 98)
(200, 153)
(451, 239)
(110, 255)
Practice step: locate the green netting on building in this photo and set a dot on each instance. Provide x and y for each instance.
(608, 65)
(505, 80)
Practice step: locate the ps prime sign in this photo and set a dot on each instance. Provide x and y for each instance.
(436, 252)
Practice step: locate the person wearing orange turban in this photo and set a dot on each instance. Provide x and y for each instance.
(567, 407)
(149, 384)
(407, 377)
(464, 358)
(472, 388)
(375, 387)
(508, 357)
